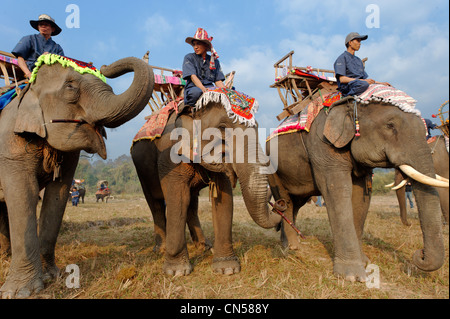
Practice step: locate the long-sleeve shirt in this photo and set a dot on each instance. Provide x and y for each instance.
(30, 47)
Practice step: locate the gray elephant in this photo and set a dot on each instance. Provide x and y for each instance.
(441, 166)
(171, 183)
(331, 161)
(42, 133)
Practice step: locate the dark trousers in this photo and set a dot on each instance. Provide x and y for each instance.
(355, 87)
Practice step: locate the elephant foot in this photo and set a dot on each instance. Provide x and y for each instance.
(203, 245)
(50, 273)
(159, 248)
(350, 271)
(20, 288)
(365, 259)
(290, 244)
(177, 269)
(226, 265)
(294, 245)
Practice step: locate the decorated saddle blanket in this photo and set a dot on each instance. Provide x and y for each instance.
(155, 124)
(390, 95)
(8, 96)
(302, 121)
(375, 92)
(239, 106)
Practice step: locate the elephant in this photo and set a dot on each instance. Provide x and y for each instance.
(441, 166)
(82, 192)
(171, 186)
(42, 132)
(102, 194)
(334, 160)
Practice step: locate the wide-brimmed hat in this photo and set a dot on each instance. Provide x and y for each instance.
(354, 35)
(47, 18)
(202, 35)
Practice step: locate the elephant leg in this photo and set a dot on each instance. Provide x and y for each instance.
(52, 213)
(25, 273)
(195, 228)
(361, 196)
(289, 237)
(158, 209)
(5, 244)
(224, 261)
(336, 188)
(401, 198)
(444, 200)
(177, 203)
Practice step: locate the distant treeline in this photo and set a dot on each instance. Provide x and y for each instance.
(120, 174)
(122, 177)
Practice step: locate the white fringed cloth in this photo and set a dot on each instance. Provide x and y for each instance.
(391, 95)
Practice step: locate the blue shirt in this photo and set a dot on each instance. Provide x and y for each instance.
(30, 47)
(349, 65)
(194, 64)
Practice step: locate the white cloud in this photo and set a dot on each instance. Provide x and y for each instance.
(158, 30)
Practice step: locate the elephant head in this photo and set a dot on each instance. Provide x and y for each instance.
(392, 138)
(221, 143)
(83, 102)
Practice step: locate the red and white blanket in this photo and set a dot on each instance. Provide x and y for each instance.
(155, 125)
(390, 95)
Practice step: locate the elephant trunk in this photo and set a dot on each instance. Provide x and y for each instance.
(431, 257)
(115, 110)
(254, 187)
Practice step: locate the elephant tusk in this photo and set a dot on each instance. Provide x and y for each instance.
(389, 185)
(400, 185)
(414, 174)
(440, 178)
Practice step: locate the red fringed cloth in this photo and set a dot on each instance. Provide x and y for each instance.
(302, 121)
(155, 125)
(239, 106)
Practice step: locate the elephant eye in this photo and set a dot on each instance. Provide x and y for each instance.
(71, 91)
(391, 127)
(71, 85)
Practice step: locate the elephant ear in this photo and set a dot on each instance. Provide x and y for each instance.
(185, 122)
(29, 115)
(339, 128)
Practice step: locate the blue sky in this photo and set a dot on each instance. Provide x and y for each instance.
(408, 48)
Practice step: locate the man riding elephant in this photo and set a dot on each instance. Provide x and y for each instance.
(32, 46)
(200, 70)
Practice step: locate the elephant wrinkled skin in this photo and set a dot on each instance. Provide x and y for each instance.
(331, 161)
(35, 153)
(441, 166)
(171, 189)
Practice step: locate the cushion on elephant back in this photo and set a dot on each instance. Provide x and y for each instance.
(156, 123)
(302, 121)
(389, 95)
(8, 96)
(239, 106)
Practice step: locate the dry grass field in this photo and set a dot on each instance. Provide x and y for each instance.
(112, 246)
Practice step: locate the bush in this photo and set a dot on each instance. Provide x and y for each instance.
(380, 179)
